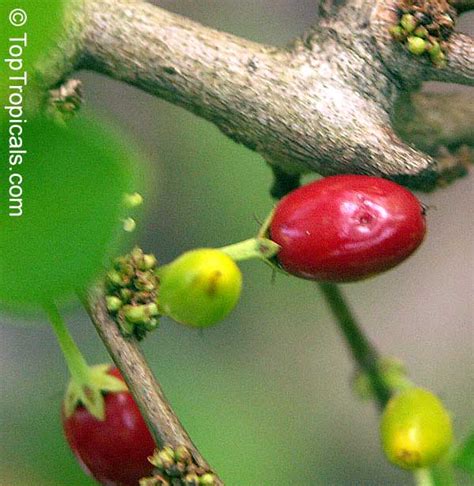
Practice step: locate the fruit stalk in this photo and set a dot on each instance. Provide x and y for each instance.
(251, 248)
(364, 353)
(423, 477)
(75, 361)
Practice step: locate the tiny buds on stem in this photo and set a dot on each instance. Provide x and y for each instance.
(416, 45)
(398, 33)
(177, 466)
(113, 303)
(207, 480)
(131, 289)
(408, 22)
(421, 31)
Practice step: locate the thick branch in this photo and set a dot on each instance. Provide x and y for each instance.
(308, 109)
(163, 423)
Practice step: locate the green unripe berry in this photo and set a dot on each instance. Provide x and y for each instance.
(199, 288)
(416, 429)
(416, 45)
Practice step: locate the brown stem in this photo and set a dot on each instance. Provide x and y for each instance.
(127, 355)
(305, 108)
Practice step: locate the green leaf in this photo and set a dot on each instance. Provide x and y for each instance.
(69, 184)
(29, 30)
(464, 456)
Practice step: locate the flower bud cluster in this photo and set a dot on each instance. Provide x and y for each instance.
(176, 467)
(131, 288)
(425, 27)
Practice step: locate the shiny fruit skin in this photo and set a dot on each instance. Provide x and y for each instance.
(416, 429)
(346, 228)
(114, 451)
(200, 288)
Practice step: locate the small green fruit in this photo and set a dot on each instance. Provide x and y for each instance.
(416, 45)
(416, 429)
(200, 288)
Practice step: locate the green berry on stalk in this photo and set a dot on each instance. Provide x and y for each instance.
(416, 45)
(199, 288)
(416, 429)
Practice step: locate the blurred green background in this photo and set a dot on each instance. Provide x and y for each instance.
(266, 395)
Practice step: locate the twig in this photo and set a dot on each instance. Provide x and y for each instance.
(362, 350)
(305, 108)
(157, 412)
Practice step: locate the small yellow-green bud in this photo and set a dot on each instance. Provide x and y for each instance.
(133, 200)
(408, 22)
(166, 456)
(191, 479)
(182, 454)
(129, 225)
(398, 33)
(114, 278)
(149, 262)
(416, 45)
(434, 48)
(140, 314)
(439, 60)
(421, 31)
(113, 303)
(207, 479)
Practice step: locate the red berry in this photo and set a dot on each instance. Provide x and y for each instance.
(114, 451)
(346, 228)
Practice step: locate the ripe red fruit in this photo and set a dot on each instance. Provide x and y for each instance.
(113, 451)
(346, 228)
